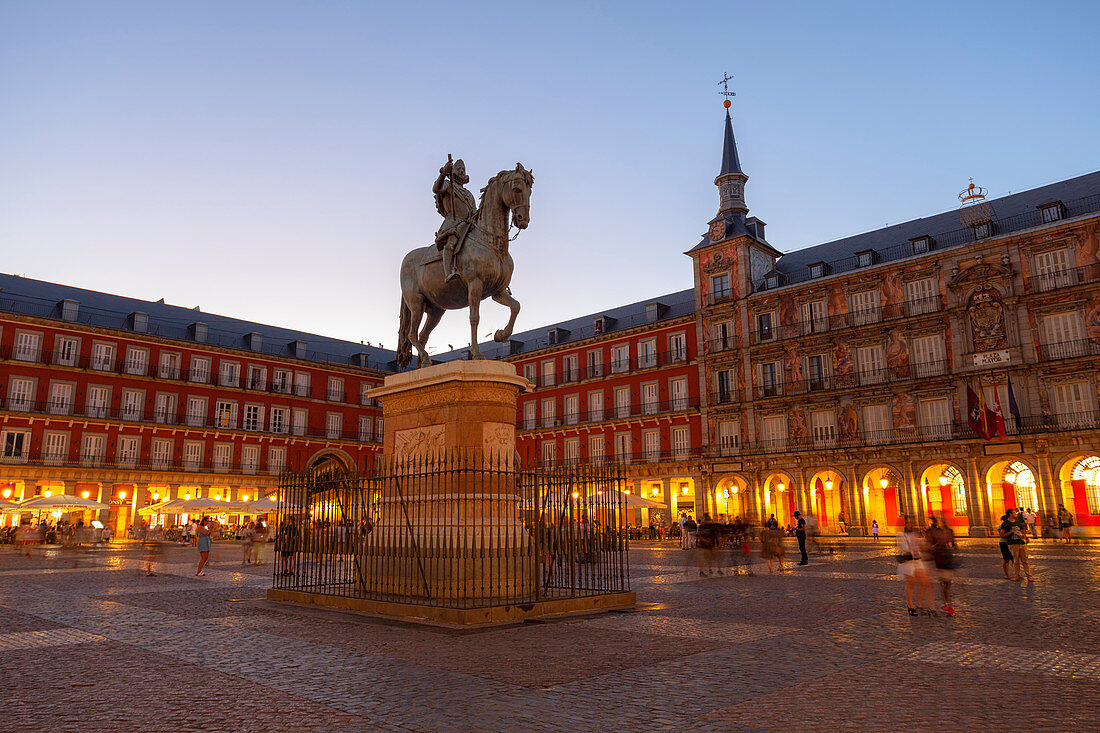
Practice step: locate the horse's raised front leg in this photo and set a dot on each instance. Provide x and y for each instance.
(416, 308)
(474, 287)
(505, 298)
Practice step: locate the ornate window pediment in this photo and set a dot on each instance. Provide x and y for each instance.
(980, 272)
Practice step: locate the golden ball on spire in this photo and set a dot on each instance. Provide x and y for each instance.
(727, 104)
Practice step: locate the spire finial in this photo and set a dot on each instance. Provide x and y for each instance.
(725, 82)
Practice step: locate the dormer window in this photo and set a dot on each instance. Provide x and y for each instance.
(983, 230)
(818, 269)
(922, 245)
(1053, 212)
(866, 258)
(598, 326)
(771, 281)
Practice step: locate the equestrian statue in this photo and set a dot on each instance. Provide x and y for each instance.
(469, 260)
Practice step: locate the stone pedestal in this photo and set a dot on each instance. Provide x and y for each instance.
(449, 525)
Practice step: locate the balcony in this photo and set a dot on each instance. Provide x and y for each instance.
(619, 412)
(619, 366)
(852, 319)
(1068, 350)
(1048, 281)
(854, 379)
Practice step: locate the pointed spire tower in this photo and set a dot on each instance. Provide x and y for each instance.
(731, 179)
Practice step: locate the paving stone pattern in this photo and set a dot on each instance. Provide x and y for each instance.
(89, 643)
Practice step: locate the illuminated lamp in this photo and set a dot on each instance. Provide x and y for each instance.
(627, 491)
(1010, 478)
(829, 484)
(245, 497)
(883, 482)
(576, 494)
(684, 490)
(734, 490)
(218, 497)
(944, 481)
(7, 493)
(122, 495)
(85, 494)
(186, 496)
(781, 487)
(47, 493)
(156, 497)
(654, 492)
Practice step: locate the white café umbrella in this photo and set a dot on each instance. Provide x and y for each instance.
(157, 508)
(9, 507)
(203, 505)
(633, 501)
(266, 505)
(59, 501)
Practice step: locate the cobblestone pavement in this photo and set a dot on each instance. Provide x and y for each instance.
(88, 643)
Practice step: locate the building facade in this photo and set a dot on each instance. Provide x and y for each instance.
(946, 366)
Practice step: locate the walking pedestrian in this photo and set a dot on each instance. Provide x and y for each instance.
(150, 550)
(202, 541)
(911, 568)
(690, 528)
(1014, 530)
(874, 529)
(800, 534)
(1029, 519)
(706, 545)
(1065, 523)
(288, 545)
(248, 536)
(683, 531)
(941, 541)
(771, 544)
(259, 542)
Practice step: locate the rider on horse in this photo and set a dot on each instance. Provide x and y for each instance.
(458, 208)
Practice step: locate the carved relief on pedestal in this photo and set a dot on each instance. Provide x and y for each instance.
(419, 442)
(498, 439)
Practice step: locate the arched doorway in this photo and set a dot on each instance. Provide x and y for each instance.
(943, 492)
(828, 502)
(880, 499)
(1079, 480)
(1011, 483)
(331, 466)
(729, 498)
(778, 499)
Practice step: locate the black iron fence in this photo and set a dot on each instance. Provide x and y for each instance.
(458, 530)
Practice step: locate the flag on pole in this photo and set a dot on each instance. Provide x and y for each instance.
(974, 410)
(998, 416)
(1013, 408)
(988, 420)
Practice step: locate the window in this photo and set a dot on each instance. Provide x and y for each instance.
(876, 424)
(927, 357)
(595, 363)
(983, 230)
(729, 437)
(126, 450)
(133, 404)
(681, 442)
(137, 360)
(548, 413)
(379, 430)
(764, 326)
(279, 420)
(817, 270)
(250, 458)
(366, 428)
(20, 394)
(230, 374)
(677, 347)
(98, 399)
(622, 447)
(570, 372)
(192, 454)
(572, 409)
(276, 459)
(651, 444)
(1074, 406)
(872, 364)
(161, 455)
(823, 428)
(921, 245)
(92, 449)
(165, 408)
(817, 369)
(200, 369)
(622, 402)
(225, 414)
(529, 410)
(55, 448)
(196, 411)
(301, 384)
(723, 385)
(169, 367)
(364, 398)
(334, 425)
(596, 452)
(1087, 471)
(769, 381)
(620, 358)
(650, 398)
(547, 373)
(813, 317)
(61, 398)
(223, 456)
(572, 453)
(103, 357)
(530, 373)
(1051, 212)
(257, 377)
(723, 336)
(678, 393)
(298, 422)
(771, 281)
(595, 406)
(280, 381)
(720, 287)
(921, 296)
(65, 351)
(647, 354)
(335, 391)
(773, 432)
(253, 417)
(16, 445)
(935, 418)
(28, 346)
(865, 258)
(864, 307)
(1052, 270)
(1062, 334)
(549, 452)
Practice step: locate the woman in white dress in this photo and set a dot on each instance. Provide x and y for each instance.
(911, 568)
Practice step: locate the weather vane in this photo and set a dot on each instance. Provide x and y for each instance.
(726, 78)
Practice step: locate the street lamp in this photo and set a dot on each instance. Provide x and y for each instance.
(781, 487)
(245, 497)
(122, 495)
(829, 485)
(156, 497)
(1010, 478)
(7, 493)
(884, 482)
(186, 496)
(47, 493)
(576, 494)
(944, 481)
(85, 494)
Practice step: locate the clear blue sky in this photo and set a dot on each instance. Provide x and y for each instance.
(274, 160)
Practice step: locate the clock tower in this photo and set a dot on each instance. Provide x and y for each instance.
(731, 179)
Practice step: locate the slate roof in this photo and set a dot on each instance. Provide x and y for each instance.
(1010, 213)
(730, 162)
(678, 304)
(40, 298)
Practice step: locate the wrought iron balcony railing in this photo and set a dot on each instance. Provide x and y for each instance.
(614, 367)
(1046, 281)
(1069, 349)
(851, 319)
(853, 379)
(613, 412)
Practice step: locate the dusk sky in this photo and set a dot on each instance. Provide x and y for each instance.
(273, 161)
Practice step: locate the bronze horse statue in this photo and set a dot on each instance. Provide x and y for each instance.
(484, 267)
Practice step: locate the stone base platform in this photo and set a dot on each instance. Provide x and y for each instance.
(463, 618)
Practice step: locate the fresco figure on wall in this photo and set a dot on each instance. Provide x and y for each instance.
(843, 368)
(797, 426)
(987, 320)
(892, 294)
(792, 368)
(1092, 319)
(788, 315)
(847, 419)
(904, 413)
(1087, 247)
(838, 307)
(897, 354)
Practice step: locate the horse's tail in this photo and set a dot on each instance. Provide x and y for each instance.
(404, 344)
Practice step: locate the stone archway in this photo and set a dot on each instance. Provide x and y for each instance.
(1079, 491)
(943, 493)
(777, 497)
(880, 491)
(829, 501)
(331, 464)
(1012, 482)
(731, 496)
